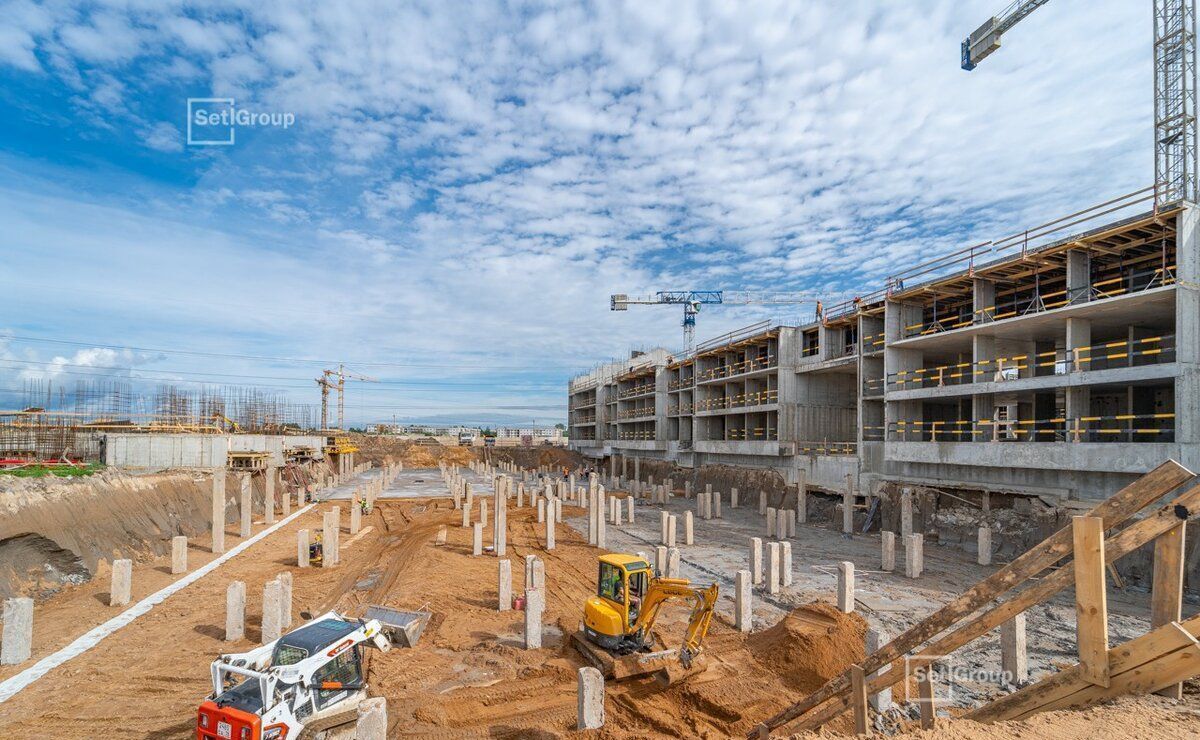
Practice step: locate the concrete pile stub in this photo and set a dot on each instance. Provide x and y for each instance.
(887, 559)
(122, 582)
(590, 699)
(756, 554)
(743, 611)
(774, 556)
(688, 528)
(16, 642)
(845, 586)
(371, 723)
(235, 611)
(179, 550)
(505, 586)
(914, 556)
(302, 548)
(272, 612)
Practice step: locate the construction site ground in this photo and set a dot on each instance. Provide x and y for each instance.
(470, 676)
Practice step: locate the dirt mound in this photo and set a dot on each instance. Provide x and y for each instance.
(533, 457)
(809, 646)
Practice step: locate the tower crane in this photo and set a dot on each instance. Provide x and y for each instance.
(327, 383)
(1175, 162)
(692, 300)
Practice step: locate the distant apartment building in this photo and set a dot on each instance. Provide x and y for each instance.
(1061, 362)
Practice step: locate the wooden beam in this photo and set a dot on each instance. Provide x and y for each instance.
(1091, 600)
(1123, 658)
(925, 695)
(1155, 672)
(859, 684)
(1166, 600)
(1114, 510)
(1119, 545)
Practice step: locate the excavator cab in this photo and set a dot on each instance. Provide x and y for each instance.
(621, 587)
(618, 621)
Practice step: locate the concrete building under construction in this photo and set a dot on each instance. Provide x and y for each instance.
(1061, 362)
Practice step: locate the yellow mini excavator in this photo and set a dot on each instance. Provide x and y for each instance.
(618, 622)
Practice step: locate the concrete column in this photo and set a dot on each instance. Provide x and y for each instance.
(673, 561)
(660, 560)
(533, 618)
(715, 502)
(888, 558)
(179, 548)
(245, 507)
(629, 504)
(505, 587)
(1079, 276)
(914, 556)
(272, 624)
(590, 699)
(269, 496)
(671, 530)
(743, 610)
(537, 576)
(122, 583)
(16, 644)
(687, 489)
(477, 538)
(781, 524)
(848, 507)
(906, 515)
(218, 511)
(773, 566)
(875, 639)
(802, 496)
(1014, 659)
(355, 517)
(771, 522)
(733, 498)
(662, 527)
(593, 515)
(466, 515)
(845, 586)
(483, 512)
(550, 532)
(328, 538)
(762, 503)
(756, 554)
(785, 564)
(302, 548)
(372, 721)
(984, 555)
(500, 529)
(235, 611)
(688, 528)
(285, 601)
(285, 500)
(601, 527)
(541, 509)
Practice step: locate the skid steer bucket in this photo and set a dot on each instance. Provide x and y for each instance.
(402, 628)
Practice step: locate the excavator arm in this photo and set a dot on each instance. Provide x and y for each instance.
(704, 602)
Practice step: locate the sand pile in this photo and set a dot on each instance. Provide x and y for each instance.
(811, 645)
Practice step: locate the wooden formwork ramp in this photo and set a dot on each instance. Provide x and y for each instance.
(1035, 578)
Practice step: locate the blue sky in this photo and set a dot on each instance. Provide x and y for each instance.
(466, 183)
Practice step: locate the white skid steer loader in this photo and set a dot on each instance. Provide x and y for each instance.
(309, 679)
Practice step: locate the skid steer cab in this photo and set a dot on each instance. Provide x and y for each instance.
(311, 677)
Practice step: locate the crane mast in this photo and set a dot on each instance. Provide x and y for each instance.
(1175, 153)
(327, 383)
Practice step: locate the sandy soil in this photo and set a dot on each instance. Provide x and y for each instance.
(469, 675)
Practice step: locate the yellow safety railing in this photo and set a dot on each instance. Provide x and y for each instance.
(748, 365)
(638, 390)
(873, 342)
(1045, 301)
(810, 350)
(766, 434)
(635, 413)
(827, 448)
(1114, 428)
(738, 401)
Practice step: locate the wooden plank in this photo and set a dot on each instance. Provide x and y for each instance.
(1166, 601)
(1091, 600)
(859, 693)
(925, 695)
(1159, 672)
(1117, 546)
(1122, 658)
(1114, 510)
